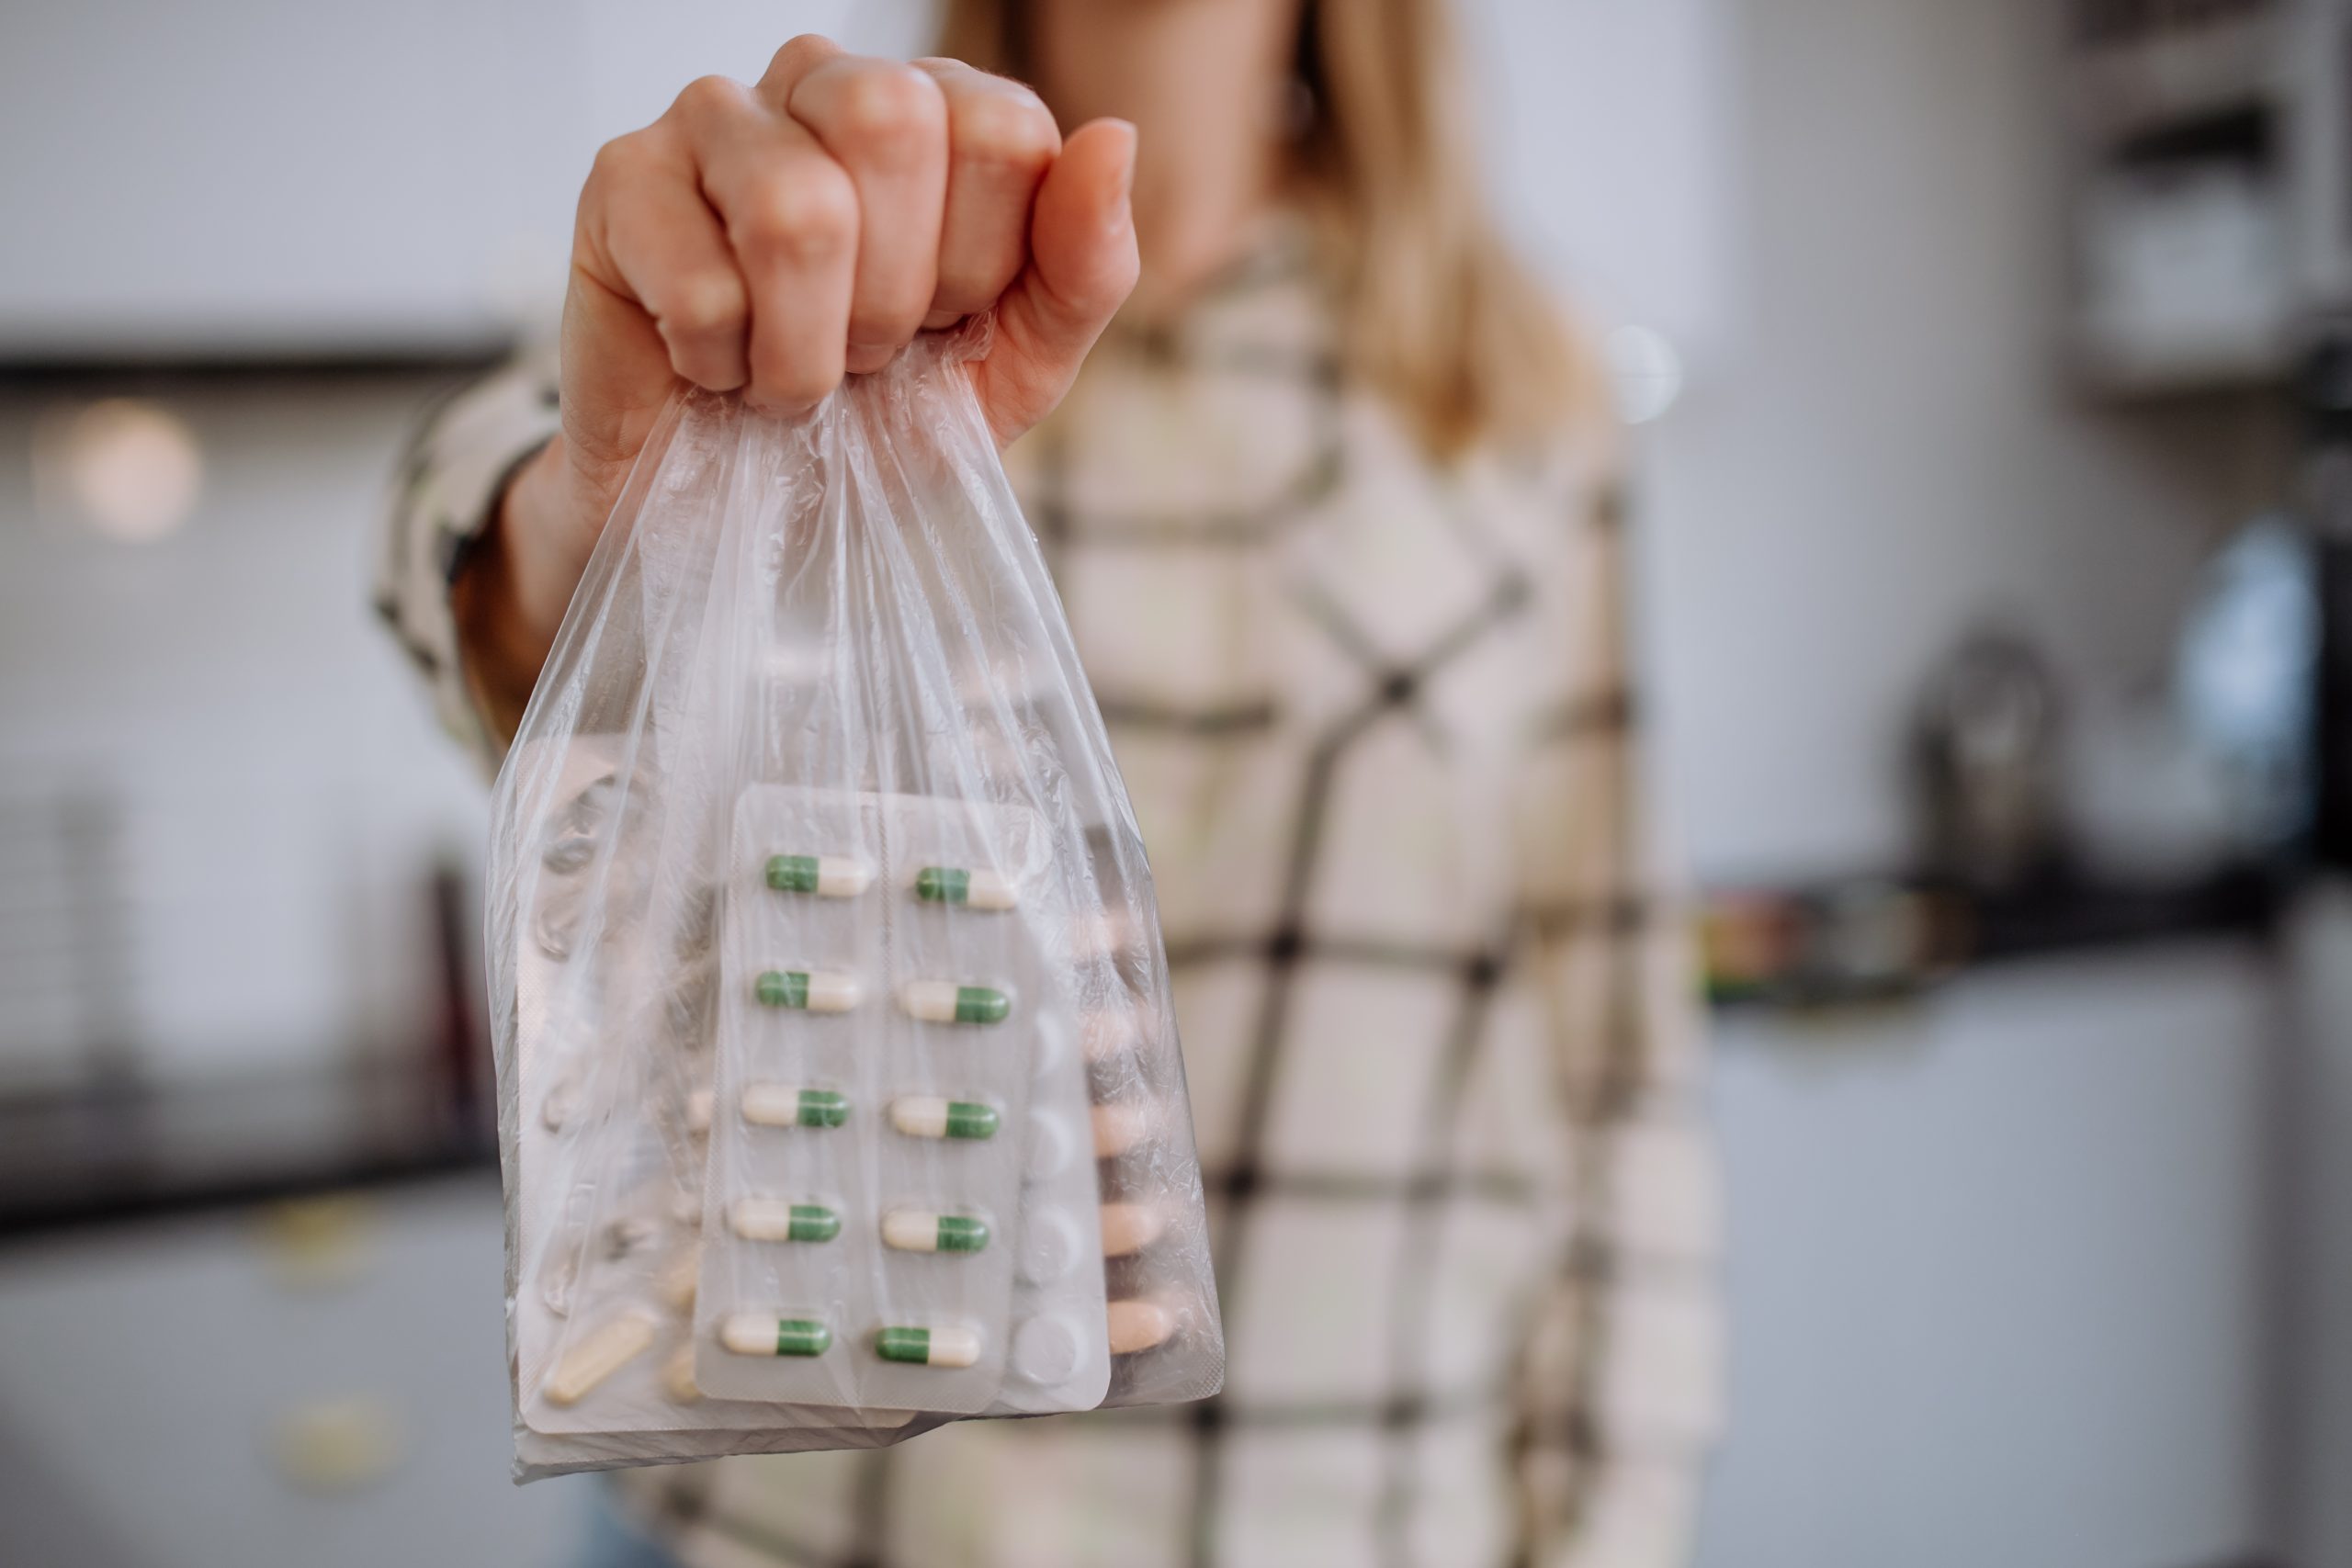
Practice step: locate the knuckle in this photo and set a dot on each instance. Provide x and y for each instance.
(707, 95)
(1013, 130)
(704, 304)
(892, 108)
(806, 213)
(802, 53)
(621, 160)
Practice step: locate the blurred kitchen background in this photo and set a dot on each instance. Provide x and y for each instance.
(1996, 475)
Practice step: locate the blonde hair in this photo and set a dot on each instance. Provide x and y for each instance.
(1438, 315)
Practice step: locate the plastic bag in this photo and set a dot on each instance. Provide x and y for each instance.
(827, 984)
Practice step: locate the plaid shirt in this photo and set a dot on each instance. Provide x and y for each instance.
(1377, 725)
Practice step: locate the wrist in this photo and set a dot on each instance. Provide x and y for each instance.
(510, 597)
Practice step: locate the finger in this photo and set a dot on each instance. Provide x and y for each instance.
(646, 231)
(1000, 140)
(790, 214)
(1082, 265)
(887, 124)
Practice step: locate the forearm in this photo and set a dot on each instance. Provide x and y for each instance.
(509, 602)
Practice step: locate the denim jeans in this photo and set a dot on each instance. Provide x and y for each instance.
(614, 1542)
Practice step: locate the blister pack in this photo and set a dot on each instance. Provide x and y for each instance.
(897, 1217)
(839, 1091)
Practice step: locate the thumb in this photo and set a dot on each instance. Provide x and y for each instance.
(1082, 264)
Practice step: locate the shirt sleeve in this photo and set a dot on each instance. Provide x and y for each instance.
(450, 479)
(1620, 1399)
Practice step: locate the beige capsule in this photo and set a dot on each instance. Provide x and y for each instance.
(1130, 1227)
(1137, 1325)
(1108, 1032)
(1098, 936)
(597, 1354)
(1119, 1126)
(678, 1280)
(678, 1375)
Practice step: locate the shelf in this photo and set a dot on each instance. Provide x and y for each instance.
(1872, 941)
(74, 1160)
(2183, 368)
(2151, 86)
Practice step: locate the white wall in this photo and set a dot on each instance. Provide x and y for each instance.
(281, 788)
(268, 175)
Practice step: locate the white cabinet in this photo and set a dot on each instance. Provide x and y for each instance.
(153, 1375)
(2001, 1281)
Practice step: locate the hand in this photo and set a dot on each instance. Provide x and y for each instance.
(769, 239)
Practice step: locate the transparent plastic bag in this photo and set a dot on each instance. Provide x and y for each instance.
(839, 1093)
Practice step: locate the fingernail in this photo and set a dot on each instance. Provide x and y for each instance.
(1127, 173)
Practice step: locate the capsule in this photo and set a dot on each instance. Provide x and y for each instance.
(1137, 1325)
(678, 1375)
(828, 876)
(697, 1111)
(929, 1116)
(766, 1334)
(679, 1275)
(1098, 936)
(777, 1219)
(945, 1001)
(969, 889)
(815, 990)
(564, 1102)
(785, 1105)
(928, 1347)
(1107, 1032)
(919, 1230)
(1118, 1127)
(597, 1354)
(1130, 1227)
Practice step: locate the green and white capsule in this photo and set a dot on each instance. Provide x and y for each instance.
(786, 1105)
(919, 1230)
(778, 1219)
(934, 1116)
(767, 1334)
(928, 1347)
(964, 889)
(828, 876)
(814, 990)
(945, 1001)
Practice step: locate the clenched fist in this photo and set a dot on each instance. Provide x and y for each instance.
(770, 239)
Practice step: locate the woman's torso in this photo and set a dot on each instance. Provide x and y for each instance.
(1317, 654)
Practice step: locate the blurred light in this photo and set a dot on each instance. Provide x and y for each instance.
(337, 1445)
(1647, 372)
(128, 469)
